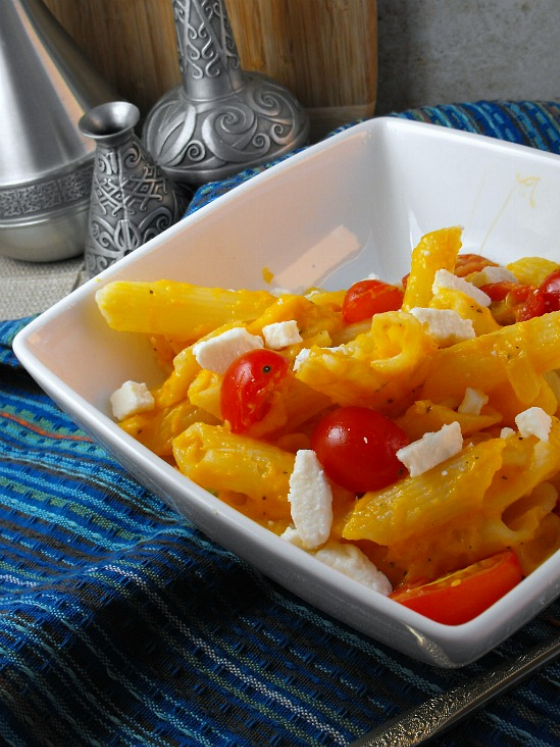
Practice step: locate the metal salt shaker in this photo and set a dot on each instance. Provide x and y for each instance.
(132, 200)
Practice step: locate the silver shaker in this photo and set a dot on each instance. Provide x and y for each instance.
(132, 199)
(46, 164)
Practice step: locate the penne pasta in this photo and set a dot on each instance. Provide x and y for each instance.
(425, 417)
(414, 505)
(176, 309)
(511, 360)
(212, 456)
(532, 270)
(435, 251)
(379, 369)
(156, 429)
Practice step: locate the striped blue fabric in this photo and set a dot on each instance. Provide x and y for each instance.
(123, 625)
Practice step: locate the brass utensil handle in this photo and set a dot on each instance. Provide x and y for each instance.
(418, 725)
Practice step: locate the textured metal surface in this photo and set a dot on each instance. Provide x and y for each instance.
(56, 190)
(45, 164)
(132, 200)
(221, 119)
(440, 713)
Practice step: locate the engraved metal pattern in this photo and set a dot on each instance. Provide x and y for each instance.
(43, 196)
(205, 43)
(443, 711)
(132, 200)
(221, 119)
(45, 164)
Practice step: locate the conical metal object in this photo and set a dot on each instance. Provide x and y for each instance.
(221, 119)
(46, 164)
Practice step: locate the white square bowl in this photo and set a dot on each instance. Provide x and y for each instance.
(354, 204)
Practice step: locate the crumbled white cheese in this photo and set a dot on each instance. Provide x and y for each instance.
(301, 357)
(507, 432)
(534, 422)
(281, 334)
(351, 561)
(445, 326)
(493, 275)
(432, 449)
(130, 399)
(446, 279)
(291, 535)
(473, 402)
(310, 498)
(338, 349)
(218, 353)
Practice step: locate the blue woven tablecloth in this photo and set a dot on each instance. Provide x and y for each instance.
(121, 624)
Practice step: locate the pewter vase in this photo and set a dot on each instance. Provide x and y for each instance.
(132, 200)
(221, 119)
(46, 85)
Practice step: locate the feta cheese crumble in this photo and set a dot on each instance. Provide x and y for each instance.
(445, 326)
(217, 353)
(281, 334)
(493, 275)
(351, 561)
(310, 498)
(473, 402)
(347, 559)
(432, 449)
(534, 422)
(302, 356)
(290, 534)
(446, 279)
(130, 399)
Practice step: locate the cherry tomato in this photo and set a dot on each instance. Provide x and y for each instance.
(533, 305)
(550, 288)
(512, 302)
(461, 596)
(498, 291)
(356, 447)
(368, 297)
(467, 263)
(247, 387)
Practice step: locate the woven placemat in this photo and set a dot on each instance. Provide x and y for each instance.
(28, 288)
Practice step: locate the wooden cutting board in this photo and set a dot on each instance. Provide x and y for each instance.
(324, 51)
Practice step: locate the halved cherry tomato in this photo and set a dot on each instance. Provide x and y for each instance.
(550, 288)
(461, 596)
(468, 263)
(356, 447)
(247, 387)
(368, 297)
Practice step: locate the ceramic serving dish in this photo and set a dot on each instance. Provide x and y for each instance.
(354, 204)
